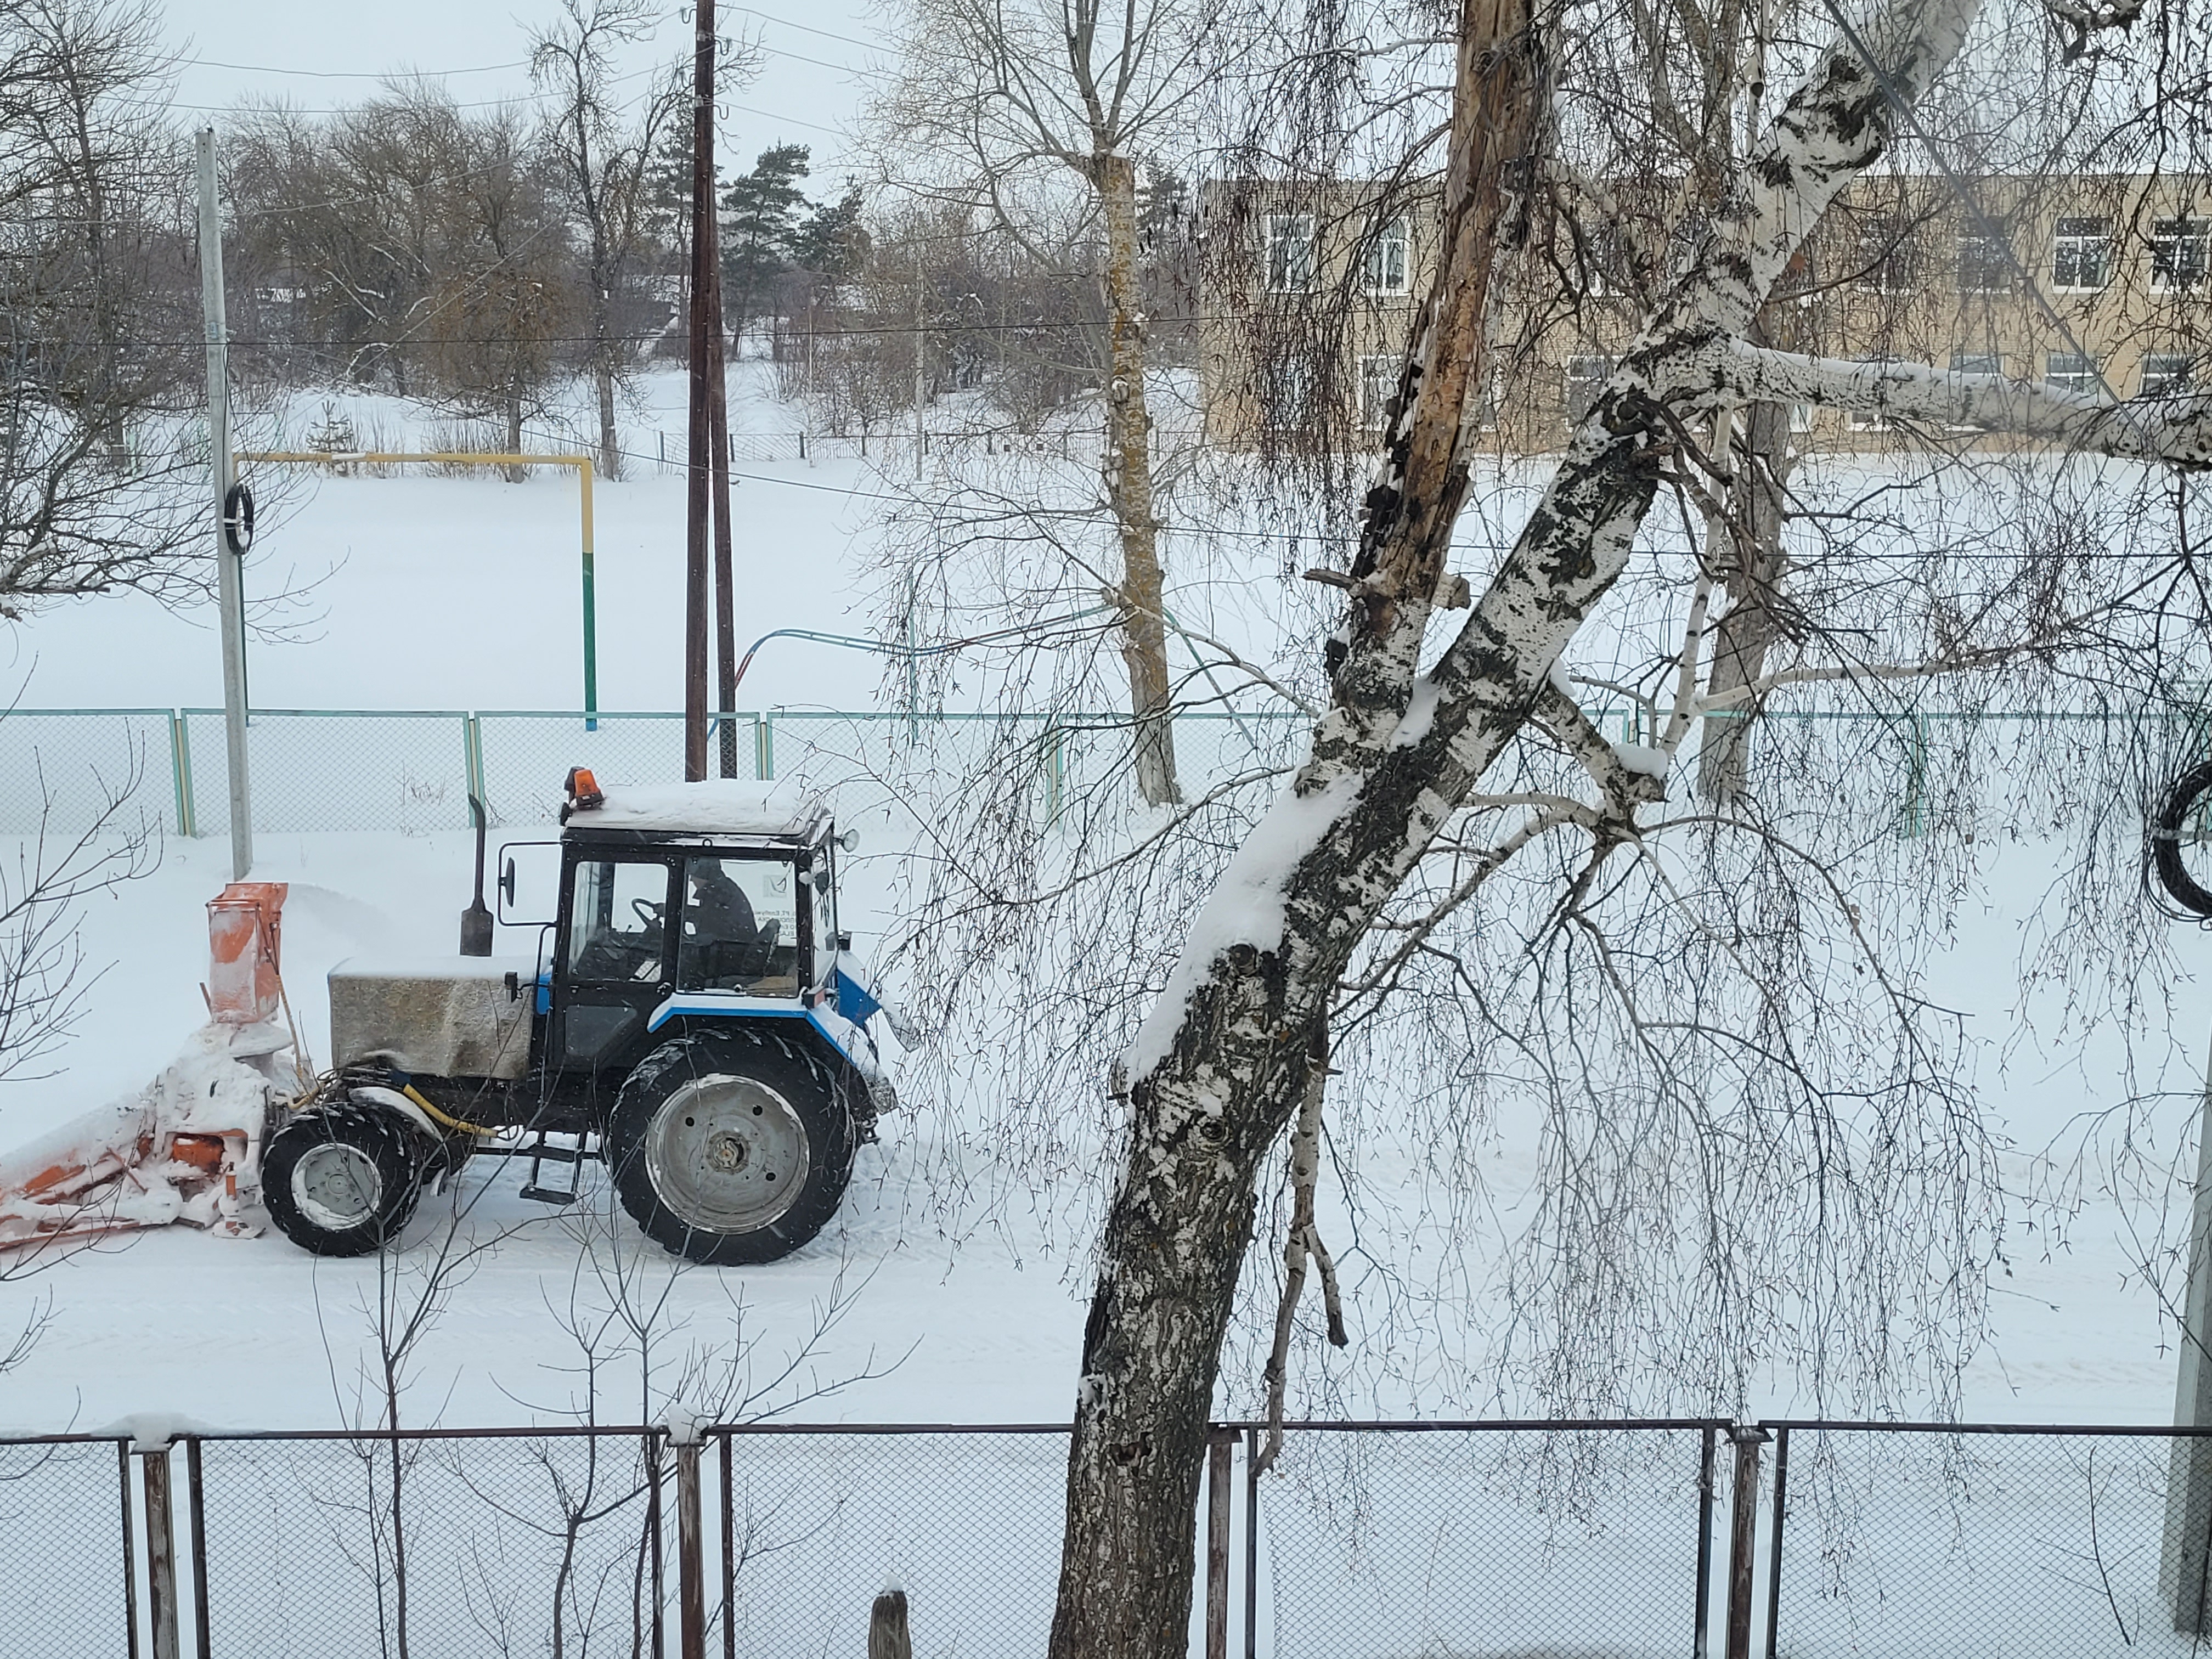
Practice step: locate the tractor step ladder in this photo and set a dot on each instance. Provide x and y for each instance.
(543, 1151)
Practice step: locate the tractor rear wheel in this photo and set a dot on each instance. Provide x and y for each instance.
(735, 1151)
(343, 1178)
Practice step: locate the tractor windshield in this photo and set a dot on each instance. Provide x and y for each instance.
(740, 926)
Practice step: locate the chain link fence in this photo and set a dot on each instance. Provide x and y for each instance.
(1905, 1539)
(1373, 1540)
(430, 1545)
(313, 770)
(815, 1521)
(2027, 771)
(65, 1549)
(1491, 1539)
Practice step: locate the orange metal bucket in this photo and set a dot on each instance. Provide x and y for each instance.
(244, 943)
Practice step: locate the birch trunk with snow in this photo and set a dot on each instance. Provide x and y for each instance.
(1221, 1063)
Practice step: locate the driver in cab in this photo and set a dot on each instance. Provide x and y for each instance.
(718, 913)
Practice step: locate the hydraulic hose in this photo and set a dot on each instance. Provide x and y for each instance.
(458, 1125)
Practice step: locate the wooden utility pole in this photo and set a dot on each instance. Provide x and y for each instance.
(230, 587)
(725, 605)
(700, 361)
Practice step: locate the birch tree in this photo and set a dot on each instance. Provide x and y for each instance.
(1416, 724)
(996, 103)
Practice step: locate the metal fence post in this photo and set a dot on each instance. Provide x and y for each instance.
(656, 1573)
(764, 747)
(129, 1553)
(473, 755)
(1916, 777)
(729, 1519)
(1743, 1535)
(691, 1570)
(1774, 1544)
(1252, 1543)
(1055, 773)
(1708, 1479)
(180, 770)
(196, 1524)
(161, 1551)
(1219, 1444)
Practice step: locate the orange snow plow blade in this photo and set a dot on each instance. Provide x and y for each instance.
(187, 1147)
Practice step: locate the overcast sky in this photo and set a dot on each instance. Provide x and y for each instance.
(315, 56)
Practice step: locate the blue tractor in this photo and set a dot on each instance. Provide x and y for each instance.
(695, 1018)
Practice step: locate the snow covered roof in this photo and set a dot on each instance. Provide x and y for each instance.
(718, 807)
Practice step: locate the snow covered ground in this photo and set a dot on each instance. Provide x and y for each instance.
(462, 592)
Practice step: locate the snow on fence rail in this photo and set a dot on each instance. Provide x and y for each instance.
(1367, 1541)
(413, 770)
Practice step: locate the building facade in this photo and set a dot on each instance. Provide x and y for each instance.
(2098, 282)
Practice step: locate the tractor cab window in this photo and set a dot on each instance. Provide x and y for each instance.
(617, 916)
(740, 926)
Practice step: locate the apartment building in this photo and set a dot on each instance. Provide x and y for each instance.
(2094, 282)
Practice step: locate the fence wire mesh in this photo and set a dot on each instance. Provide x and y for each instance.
(412, 771)
(967, 1522)
(1501, 1540)
(315, 771)
(69, 767)
(430, 1546)
(1900, 1541)
(65, 1549)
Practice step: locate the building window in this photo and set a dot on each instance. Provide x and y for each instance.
(1585, 379)
(2166, 374)
(1288, 240)
(2082, 260)
(1801, 418)
(2070, 371)
(1885, 256)
(1378, 382)
(1985, 262)
(1387, 267)
(2180, 254)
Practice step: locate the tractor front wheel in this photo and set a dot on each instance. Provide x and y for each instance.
(731, 1152)
(343, 1178)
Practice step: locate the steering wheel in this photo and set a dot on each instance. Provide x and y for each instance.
(648, 913)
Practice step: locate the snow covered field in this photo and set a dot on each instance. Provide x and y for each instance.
(460, 593)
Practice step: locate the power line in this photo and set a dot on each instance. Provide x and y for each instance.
(354, 75)
(808, 29)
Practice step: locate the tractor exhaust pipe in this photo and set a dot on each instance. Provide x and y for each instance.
(476, 920)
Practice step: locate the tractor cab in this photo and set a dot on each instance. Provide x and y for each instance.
(692, 902)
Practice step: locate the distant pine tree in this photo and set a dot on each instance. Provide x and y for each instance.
(760, 228)
(832, 242)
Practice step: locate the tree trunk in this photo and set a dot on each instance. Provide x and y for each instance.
(514, 427)
(1128, 471)
(603, 376)
(1752, 583)
(1219, 1064)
